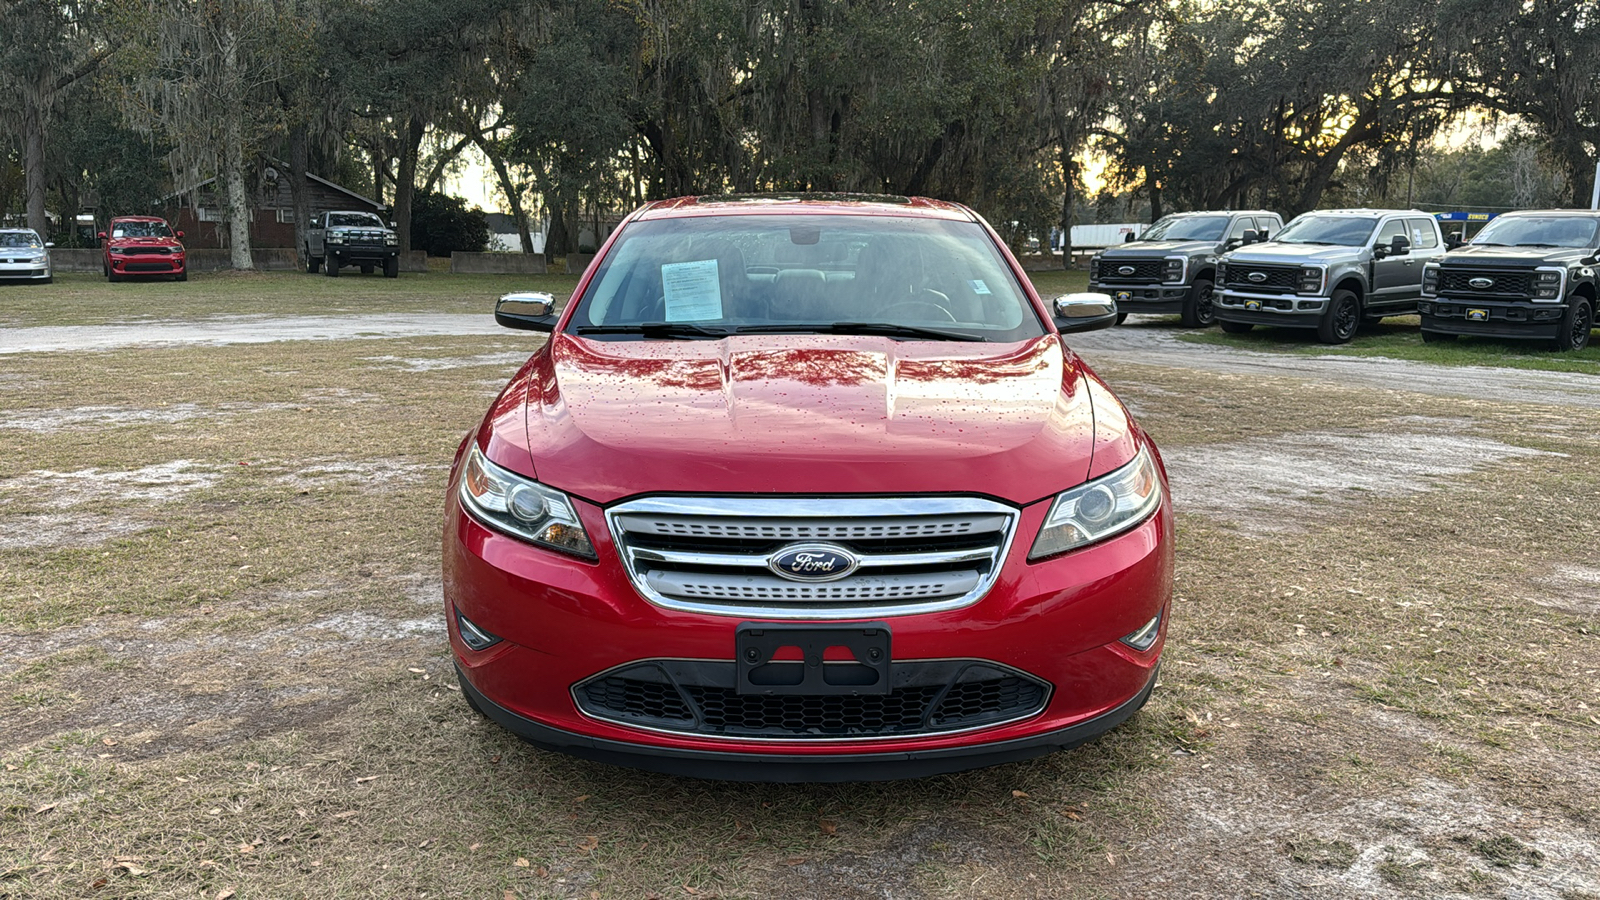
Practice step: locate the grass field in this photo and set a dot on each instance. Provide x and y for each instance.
(223, 671)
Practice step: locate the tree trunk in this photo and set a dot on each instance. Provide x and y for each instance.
(300, 189)
(238, 198)
(405, 186)
(513, 194)
(1069, 204)
(33, 166)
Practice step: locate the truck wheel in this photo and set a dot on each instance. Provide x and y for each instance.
(182, 276)
(331, 266)
(391, 267)
(1236, 327)
(1573, 335)
(1437, 337)
(1198, 311)
(1338, 325)
(313, 263)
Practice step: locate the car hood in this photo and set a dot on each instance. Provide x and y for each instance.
(813, 414)
(1514, 257)
(1283, 254)
(143, 242)
(1140, 249)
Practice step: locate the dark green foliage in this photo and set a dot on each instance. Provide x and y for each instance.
(441, 224)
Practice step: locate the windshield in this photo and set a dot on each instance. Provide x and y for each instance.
(1186, 228)
(19, 239)
(1346, 231)
(1539, 231)
(902, 276)
(140, 229)
(355, 219)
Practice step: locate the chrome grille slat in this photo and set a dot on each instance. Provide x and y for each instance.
(913, 554)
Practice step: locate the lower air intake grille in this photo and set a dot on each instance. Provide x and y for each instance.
(698, 698)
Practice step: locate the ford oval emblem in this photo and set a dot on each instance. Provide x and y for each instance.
(813, 562)
(1481, 284)
(1126, 270)
(1257, 277)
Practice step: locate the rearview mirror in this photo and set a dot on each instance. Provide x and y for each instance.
(1083, 312)
(527, 311)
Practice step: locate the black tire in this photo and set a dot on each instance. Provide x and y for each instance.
(313, 263)
(391, 267)
(1437, 337)
(366, 268)
(1122, 317)
(331, 266)
(49, 279)
(113, 277)
(1342, 319)
(1573, 334)
(181, 276)
(1198, 311)
(1236, 327)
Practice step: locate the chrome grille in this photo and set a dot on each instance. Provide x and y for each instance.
(711, 555)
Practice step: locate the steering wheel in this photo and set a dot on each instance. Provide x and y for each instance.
(925, 301)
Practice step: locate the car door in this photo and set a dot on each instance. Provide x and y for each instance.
(1395, 279)
(315, 234)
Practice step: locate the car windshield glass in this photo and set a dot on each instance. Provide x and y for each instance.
(352, 219)
(903, 276)
(1346, 231)
(140, 229)
(19, 239)
(1539, 231)
(1186, 228)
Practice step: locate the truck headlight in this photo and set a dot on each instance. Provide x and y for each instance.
(1547, 284)
(335, 238)
(1308, 280)
(1174, 268)
(391, 240)
(1430, 280)
(521, 507)
(1098, 509)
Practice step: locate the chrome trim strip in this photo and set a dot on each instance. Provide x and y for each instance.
(733, 560)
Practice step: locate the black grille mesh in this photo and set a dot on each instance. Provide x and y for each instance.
(1277, 277)
(1517, 284)
(976, 697)
(1145, 271)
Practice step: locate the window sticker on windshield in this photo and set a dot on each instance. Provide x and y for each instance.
(692, 291)
(978, 287)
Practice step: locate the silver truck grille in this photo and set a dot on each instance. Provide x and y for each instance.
(912, 555)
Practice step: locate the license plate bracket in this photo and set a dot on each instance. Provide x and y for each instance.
(1121, 296)
(1477, 315)
(756, 645)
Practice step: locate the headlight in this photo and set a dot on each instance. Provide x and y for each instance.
(1175, 268)
(1308, 280)
(1430, 280)
(1222, 271)
(521, 507)
(117, 250)
(335, 238)
(391, 239)
(1101, 508)
(1547, 284)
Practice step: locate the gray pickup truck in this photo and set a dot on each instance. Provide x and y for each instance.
(340, 238)
(1329, 270)
(1171, 267)
(1529, 274)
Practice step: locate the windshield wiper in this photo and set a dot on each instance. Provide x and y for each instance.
(655, 329)
(1537, 244)
(888, 329)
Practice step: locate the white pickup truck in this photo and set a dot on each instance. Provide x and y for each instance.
(339, 238)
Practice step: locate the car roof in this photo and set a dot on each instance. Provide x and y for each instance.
(1365, 211)
(1567, 213)
(806, 204)
(14, 230)
(1223, 212)
(137, 219)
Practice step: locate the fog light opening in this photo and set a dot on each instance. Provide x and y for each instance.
(472, 635)
(1145, 637)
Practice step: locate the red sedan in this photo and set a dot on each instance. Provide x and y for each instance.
(807, 489)
(143, 246)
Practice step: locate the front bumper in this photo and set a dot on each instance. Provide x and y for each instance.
(1492, 318)
(24, 271)
(1283, 310)
(351, 254)
(563, 621)
(146, 263)
(1155, 299)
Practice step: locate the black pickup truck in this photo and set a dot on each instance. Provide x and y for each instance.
(1529, 274)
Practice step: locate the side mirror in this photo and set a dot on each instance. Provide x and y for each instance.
(180, 235)
(1083, 312)
(1254, 237)
(1400, 246)
(102, 235)
(1129, 238)
(1452, 241)
(527, 311)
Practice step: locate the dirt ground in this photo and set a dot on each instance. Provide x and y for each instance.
(222, 671)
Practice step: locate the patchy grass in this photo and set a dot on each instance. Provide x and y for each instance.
(1400, 337)
(222, 666)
